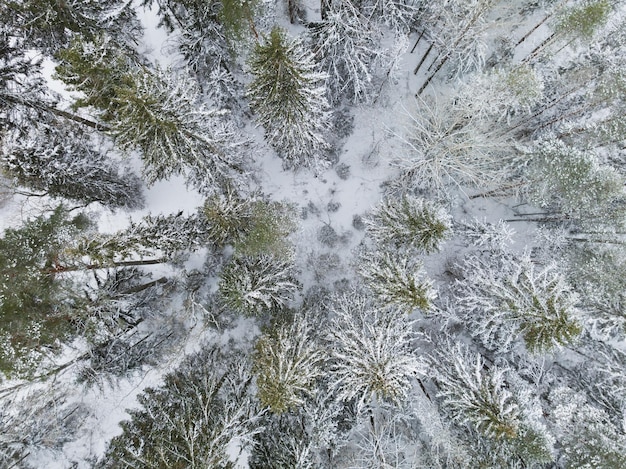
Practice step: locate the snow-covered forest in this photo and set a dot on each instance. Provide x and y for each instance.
(313, 234)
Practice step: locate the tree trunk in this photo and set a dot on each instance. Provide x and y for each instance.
(419, 65)
(527, 35)
(57, 112)
(59, 269)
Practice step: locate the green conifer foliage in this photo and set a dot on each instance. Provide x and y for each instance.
(582, 21)
(288, 97)
(97, 68)
(254, 285)
(34, 306)
(518, 299)
(286, 362)
(481, 396)
(409, 222)
(397, 280)
(252, 225)
(160, 114)
(573, 181)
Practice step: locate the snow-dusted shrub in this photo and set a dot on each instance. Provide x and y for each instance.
(258, 284)
(287, 362)
(327, 236)
(509, 297)
(288, 97)
(409, 222)
(370, 350)
(396, 279)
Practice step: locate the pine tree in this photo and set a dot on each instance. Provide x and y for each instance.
(160, 114)
(252, 225)
(513, 297)
(287, 96)
(370, 351)
(493, 406)
(43, 263)
(35, 310)
(257, 285)
(397, 280)
(409, 223)
(202, 409)
(49, 25)
(60, 160)
(287, 362)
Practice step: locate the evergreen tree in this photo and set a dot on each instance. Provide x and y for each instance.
(287, 362)
(598, 272)
(60, 160)
(370, 351)
(287, 96)
(49, 25)
(41, 301)
(252, 224)
(408, 223)
(161, 115)
(35, 309)
(302, 438)
(257, 285)
(397, 280)
(20, 79)
(493, 406)
(202, 409)
(573, 181)
(97, 68)
(514, 297)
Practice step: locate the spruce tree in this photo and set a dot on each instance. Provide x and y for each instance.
(573, 182)
(370, 353)
(287, 362)
(396, 279)
(408, 223)
(256, 285)
(287, 95)
(492, 405)
(161, 115)
(514, 297)
(59, 160)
